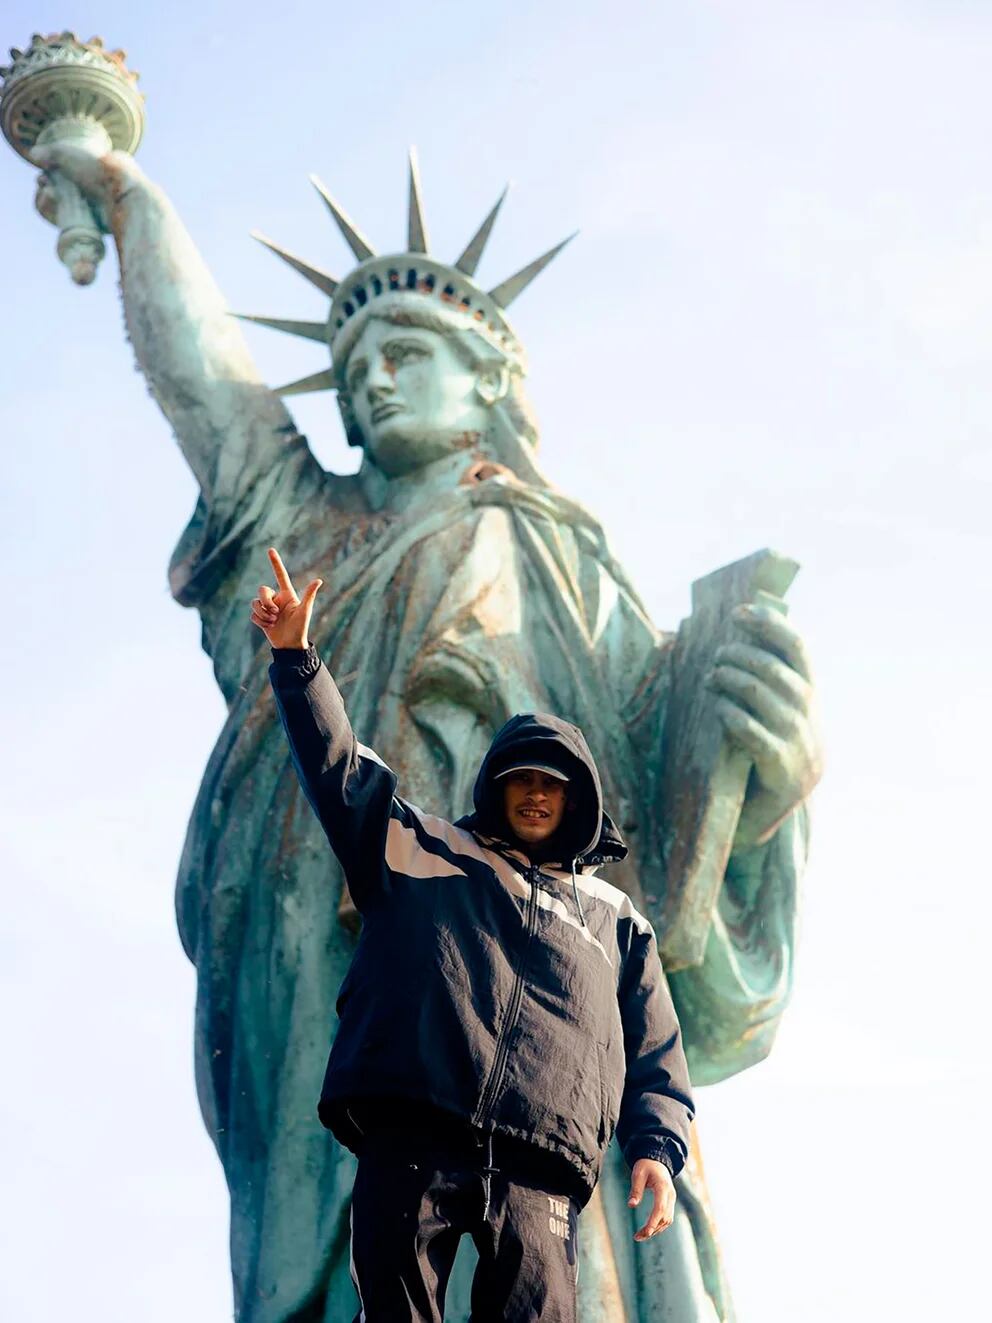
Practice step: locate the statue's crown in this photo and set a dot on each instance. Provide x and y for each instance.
(415, 275)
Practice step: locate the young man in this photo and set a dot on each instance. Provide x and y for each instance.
(504, 1013)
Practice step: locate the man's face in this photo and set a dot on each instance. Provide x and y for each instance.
(413, 397)
(534, 803)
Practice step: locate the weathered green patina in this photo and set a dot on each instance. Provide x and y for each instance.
(459, 587)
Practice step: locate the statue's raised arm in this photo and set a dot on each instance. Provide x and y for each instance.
(230, 426)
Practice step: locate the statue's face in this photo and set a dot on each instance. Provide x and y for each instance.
(413, 397)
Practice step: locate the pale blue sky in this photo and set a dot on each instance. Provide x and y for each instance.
(775, 328)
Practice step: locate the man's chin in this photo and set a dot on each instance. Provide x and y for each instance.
(532, 835)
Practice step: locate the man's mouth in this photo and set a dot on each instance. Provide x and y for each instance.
(382, 411)
(533, 813)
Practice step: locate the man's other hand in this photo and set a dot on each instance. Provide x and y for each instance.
(653, 1176)
(283, 616)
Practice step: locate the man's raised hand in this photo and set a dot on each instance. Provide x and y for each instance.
(282, 616)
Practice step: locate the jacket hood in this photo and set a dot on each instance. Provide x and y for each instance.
(587, 833)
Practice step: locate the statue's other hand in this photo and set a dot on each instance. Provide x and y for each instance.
(102, 180)
(767, 703)
(283, 616)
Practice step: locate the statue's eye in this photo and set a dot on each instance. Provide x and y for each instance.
(407, 353)
(357, 376)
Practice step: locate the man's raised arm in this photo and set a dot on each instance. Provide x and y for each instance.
(348, 787)
(230, 426)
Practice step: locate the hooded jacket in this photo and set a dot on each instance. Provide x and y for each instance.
(524, 997)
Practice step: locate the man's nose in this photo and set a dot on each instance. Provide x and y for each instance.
(381, 377)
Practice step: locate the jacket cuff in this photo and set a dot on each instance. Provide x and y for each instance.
(664, 1151)
(300, 663)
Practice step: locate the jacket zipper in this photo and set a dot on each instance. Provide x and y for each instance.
(491, 1090)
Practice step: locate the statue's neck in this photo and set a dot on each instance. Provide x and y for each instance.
(419, 487)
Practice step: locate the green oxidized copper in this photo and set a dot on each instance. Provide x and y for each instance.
(459, 587)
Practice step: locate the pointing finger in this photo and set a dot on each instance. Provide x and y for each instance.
(285, 582)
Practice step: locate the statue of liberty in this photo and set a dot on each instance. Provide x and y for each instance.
(460, 587)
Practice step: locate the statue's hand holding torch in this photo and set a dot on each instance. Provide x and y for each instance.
(72, 107)
(79, 186)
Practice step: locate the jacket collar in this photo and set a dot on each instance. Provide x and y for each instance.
(513, 854)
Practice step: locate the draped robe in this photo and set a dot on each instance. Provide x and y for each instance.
(438, 623)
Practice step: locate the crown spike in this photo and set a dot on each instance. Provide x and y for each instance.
(469, 259)
(354, 238)
(307, 330)
(416, 226)
(509, 289)
(316, 381)
(321, 279)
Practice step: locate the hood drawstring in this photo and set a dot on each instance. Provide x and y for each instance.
(489, 1170)
(575, 894)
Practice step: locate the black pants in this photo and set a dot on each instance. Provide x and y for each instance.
(416, 1195)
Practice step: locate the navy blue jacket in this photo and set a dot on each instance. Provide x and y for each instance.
(524, 998)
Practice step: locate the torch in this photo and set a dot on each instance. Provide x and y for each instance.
(63, 90)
